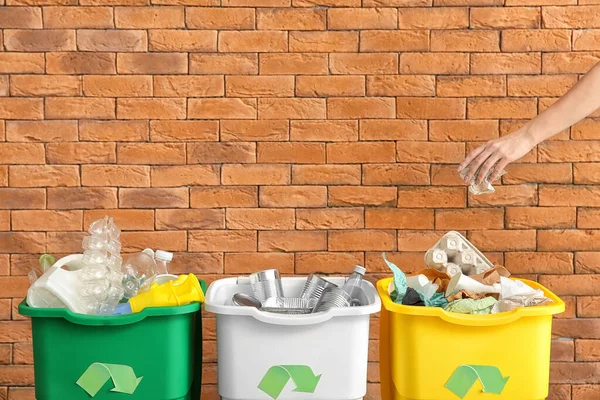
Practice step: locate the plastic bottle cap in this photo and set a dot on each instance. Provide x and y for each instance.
(150, 252)
(163, 255)
(360, 270)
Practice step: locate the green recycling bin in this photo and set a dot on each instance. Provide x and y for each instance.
(155, 354)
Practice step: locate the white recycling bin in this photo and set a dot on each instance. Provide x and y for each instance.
(270, 356)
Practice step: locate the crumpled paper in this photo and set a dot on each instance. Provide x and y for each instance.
(516, 294)
(400, 288)
(439, 278)
(463, 294)
(484, 187)
(471, 306)
(492, 275)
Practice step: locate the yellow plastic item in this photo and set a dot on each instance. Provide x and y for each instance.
(421, 348)
(184, 290)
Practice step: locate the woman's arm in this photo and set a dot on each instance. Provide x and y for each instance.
(582, 100)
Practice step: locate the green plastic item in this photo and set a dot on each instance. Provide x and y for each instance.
(161, 345)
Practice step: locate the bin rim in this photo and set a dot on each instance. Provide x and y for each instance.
(108, 320)
(557, 307)
(211, 305)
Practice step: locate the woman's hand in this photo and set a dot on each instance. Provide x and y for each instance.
(496, 154)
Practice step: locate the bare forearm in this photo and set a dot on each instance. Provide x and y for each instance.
(582, 100)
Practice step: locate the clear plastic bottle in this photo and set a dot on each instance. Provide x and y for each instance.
(353, 286)
(162, 258)
(139, 271)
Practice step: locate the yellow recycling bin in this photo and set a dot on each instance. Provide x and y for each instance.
(430, 354)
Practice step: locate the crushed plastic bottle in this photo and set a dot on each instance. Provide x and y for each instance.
(163, 258)
(139, 271)
(484, 187)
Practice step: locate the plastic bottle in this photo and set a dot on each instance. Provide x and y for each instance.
(353, 285)
(162, 258)
(139, 271)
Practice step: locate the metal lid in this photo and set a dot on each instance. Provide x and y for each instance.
(163, 255)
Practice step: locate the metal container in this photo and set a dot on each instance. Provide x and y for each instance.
(333, 298)
(289, 305)
(266, 284)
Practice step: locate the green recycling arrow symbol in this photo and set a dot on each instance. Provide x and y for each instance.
(277, 377)
(97, 374)
(465, 377)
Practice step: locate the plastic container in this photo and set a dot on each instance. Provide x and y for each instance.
(162, 345)
(422, 347)
(454, 253)
(262, 355)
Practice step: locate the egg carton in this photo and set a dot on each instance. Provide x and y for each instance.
(453, 253)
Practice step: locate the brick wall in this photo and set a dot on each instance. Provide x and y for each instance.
(307, 135)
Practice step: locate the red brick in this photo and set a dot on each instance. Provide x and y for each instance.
(330, 86)
(562, 350)
(576, 196)
(115, 175)
(229, 152)
(224, 64)
(506, 63)
(538, 173)
(21, 108)
(586, 39)
(491, 108)
(247, 263)
(586, 130)
(179, 40)
(588, 218)
(569, 63)
(81, 63)
(121, 131)
(568, 240)
(26, 199)
(21, 17)
(536, 86)
(17, 375)
(588, 307)
(47, 220)
(433, 18)
(404, 40)
(432, 197)
(31, 85)
(571, 17)
(78, 17)
(169, 241)
(352, 196)
(430, 108)
(444, 153)
(22, 153)
(293, 64)
(112, 40)
(197, 263)
(395, 174)
(151, 108)
(255, 174)
(458, 131)
(220, 18)
(39, 40)
(287, 241)
(252, 41)
(323, 42)
(327, 262)
(352, 63)
(188, 175)
(326, 174)
(222, 108)
(288, 19)
(432, 63)
(81, 198)
(380, 240)
(149, 17)
(452, 3)
(393, 130)
(293, 196)
(151, 153)
(224, 196)
(127, 220)
(117, 86)
(152, 63)
(581, 285)
(471, 86)
(352, 153)
(23, 353)
(536, 40)
(503, 18)
(539, 263)
(394, 218)
(540, 217)
(586, 392)
(79, 108)
(154, 198)
(409, 85)
(298, 108)
(464, 40)
(330, 218)
(263, 218)
(256, 3)
(222, 240)
(469, 219)
(247, 130)
(351, 108)
(587, 262)
(259, 86)
(507, 196)
(80, 153)
(513, 240)
(365, 18)
(330, 131)
(175, 131)
(190, 219)
(17, 242)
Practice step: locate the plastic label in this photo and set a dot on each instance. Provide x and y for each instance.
(98, 374)
(278, 376)
(465, 376)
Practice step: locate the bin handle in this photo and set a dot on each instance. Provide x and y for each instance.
(279, 319)
(476, 320)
